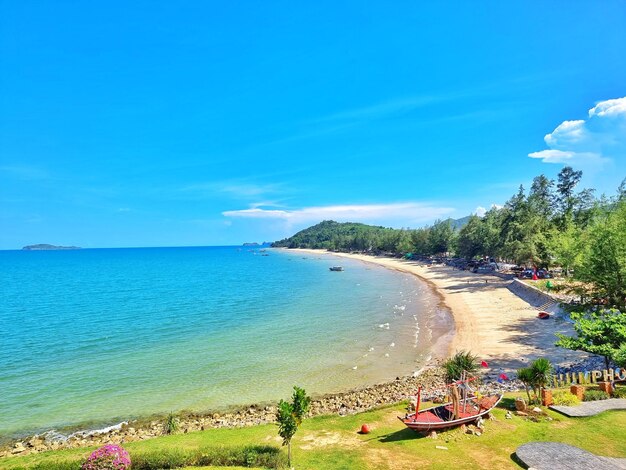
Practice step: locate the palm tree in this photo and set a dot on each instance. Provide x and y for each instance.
(462, 361)
(525, 375)
(542, 372)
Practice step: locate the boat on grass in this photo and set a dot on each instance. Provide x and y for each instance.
(443, 417)
(465, 407)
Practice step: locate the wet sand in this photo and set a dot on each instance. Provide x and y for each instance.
(490, 320)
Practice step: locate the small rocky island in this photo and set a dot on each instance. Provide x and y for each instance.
(47, 247)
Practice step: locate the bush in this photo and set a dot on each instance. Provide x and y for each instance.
(108, 457)
(593, 395)
(245, 456)
(171, 424)
(565, 398)
(619, 392)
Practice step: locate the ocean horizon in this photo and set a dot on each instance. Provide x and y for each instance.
(95, 336)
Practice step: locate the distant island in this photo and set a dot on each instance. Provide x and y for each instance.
(47, 247)
(251, 244)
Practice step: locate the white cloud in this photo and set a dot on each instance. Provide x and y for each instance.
(407, 212)
(590, 142)
(480, 211)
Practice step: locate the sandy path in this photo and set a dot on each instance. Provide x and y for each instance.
(490, 320)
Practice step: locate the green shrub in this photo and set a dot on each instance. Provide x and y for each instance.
(171, 424)
(246, 456)
(593, 395)
(58, 465)
(619, 392)
(565, 398)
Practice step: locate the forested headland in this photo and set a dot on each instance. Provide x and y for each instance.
(552, 224)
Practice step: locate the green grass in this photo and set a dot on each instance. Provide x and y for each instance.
(331, 442)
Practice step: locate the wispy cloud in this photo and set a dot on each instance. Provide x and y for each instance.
(407, 212)
(590, 142)
(383, 109)
(234, 188)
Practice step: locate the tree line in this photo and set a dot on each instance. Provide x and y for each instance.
(551, 224)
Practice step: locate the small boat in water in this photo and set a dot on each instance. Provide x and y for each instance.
(336, 268)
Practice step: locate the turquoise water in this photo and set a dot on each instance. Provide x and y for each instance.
(93, 337)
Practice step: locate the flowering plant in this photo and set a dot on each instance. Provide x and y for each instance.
(109, 457)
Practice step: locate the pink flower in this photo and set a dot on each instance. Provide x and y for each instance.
(108, 457)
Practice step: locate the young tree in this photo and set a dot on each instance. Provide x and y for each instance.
(471, 238)
(525, 375)
(289, 417)
(602, 333)
(441, 237)
(566, 247)
(568, 179)
(604, 262)
(536, 376)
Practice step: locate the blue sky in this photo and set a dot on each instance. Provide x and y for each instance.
(206, 123)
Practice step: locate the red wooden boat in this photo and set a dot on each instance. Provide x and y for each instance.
(442, 417)
(464, 408)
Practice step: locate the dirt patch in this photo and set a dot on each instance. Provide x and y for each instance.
(393, 459)
(316, 440)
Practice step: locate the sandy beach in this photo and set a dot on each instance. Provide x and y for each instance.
(490, 320)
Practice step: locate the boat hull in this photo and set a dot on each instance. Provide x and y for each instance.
(437, 418)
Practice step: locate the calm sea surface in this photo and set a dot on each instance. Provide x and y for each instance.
(93, 337)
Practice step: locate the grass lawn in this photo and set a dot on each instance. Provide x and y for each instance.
(331, 442)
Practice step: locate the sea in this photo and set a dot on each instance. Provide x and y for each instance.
(93, 337)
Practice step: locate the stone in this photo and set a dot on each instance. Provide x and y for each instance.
(520, 404)
(521, 413)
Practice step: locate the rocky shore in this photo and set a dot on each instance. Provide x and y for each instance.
(355, 401)
(350, 402)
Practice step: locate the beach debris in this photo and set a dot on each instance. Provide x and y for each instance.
(508, 415)
(365, 429)
(371, 349)
(441, 447)
(386, 354)
(355, 367)
(392, 345)
(384, 326)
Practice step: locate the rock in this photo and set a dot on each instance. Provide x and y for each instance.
(18, 448)
(537, 410)
(521, 413)
(432, 434)
(520, 404)
(508, 415)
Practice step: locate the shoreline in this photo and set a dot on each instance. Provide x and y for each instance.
(471, 301)
(490, 320)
